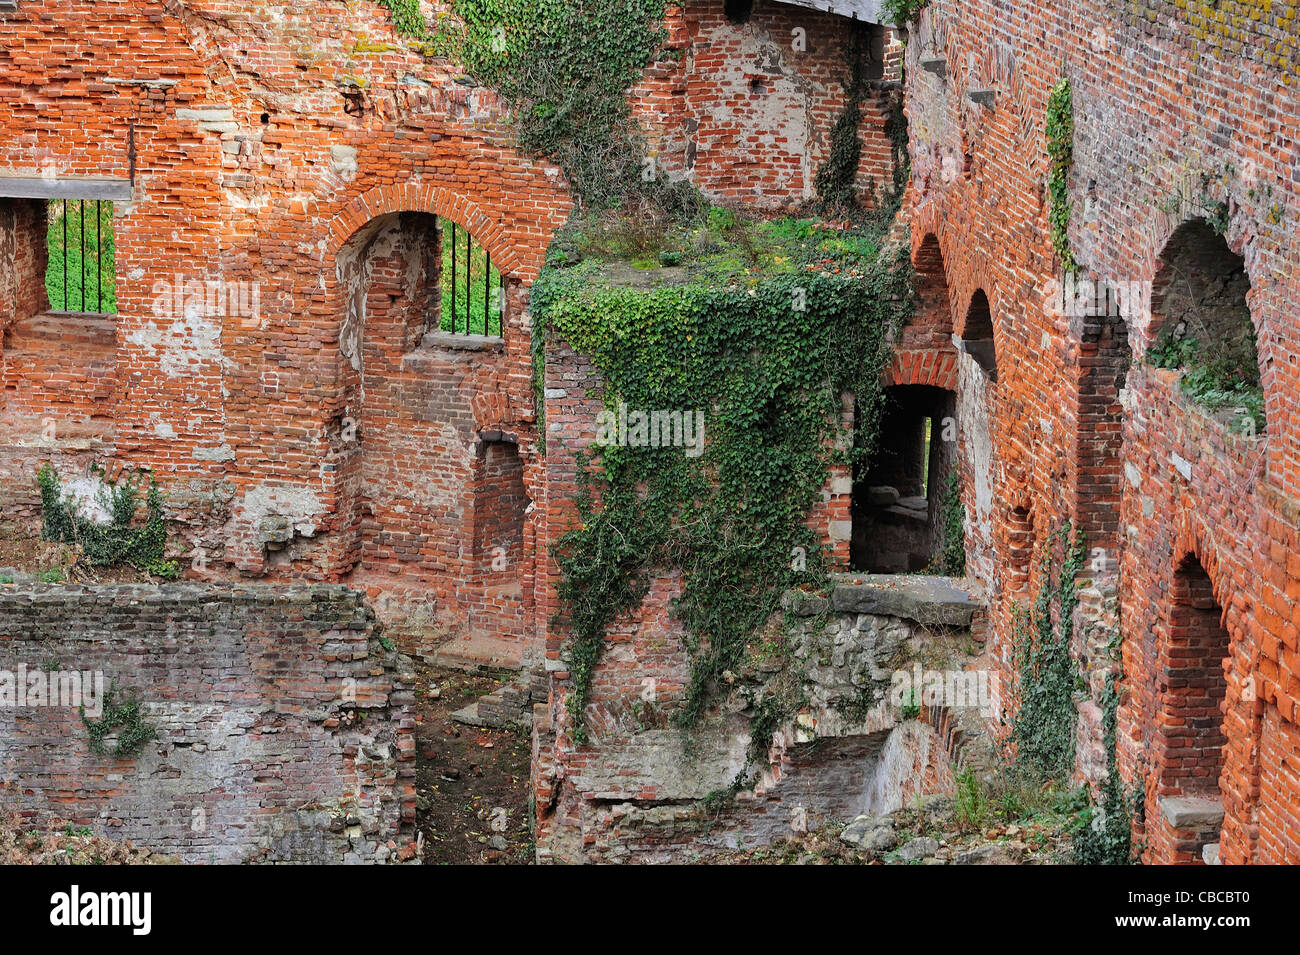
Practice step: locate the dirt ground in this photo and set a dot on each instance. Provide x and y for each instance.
(25, 552)
(471, 783)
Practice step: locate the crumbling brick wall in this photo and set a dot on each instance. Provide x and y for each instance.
(285, 732)
(264, 148)
(745, 109)
(258, 141)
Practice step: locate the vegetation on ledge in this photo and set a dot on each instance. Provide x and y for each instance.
(754, 330)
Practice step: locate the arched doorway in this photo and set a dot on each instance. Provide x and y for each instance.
(1188, 747)
(429, 460)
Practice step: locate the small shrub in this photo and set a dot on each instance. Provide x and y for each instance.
(970, 804)
(121, 715)
(902, 12)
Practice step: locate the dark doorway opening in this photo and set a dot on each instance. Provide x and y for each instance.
(897, 493)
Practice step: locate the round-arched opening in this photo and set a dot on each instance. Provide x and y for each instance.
(977, 334)
(1201, 326)
(933, 308)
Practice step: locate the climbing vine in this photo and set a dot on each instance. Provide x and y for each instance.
(1105, 833)
(122, 540)
(951, 558)
(1060, 154)
(770, 325)
(1044, 723)
(407, 18)
(565, 69)
(120, 717)
(836, 178)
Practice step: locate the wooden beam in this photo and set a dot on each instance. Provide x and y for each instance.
(30, 187)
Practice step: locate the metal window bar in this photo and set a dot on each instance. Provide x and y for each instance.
(87, 257)
(458, 311)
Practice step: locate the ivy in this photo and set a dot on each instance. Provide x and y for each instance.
(762, 337)
(834, 182)
(951, 559)
(120, 717)
(1043, 727)
(407, 18)
(122, 540)
(565, 69)
(1060, 154)
(836, 179)
(1105, 833)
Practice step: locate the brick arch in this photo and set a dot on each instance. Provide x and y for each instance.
(434, 200)
(1207, 253)
(923, 367)
(439, 405)
(963, 329)
(1191, 752)
(1195, 237)
(934, 305)
(978, 332)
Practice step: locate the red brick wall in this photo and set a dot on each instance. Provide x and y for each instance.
(746, 116)
(1072, 430)
(263, 157)
(265, 138)
(1279, 759)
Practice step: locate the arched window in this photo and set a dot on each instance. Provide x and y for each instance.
(1202, 326)
(977, 335)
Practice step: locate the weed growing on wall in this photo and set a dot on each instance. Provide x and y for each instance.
(1060, 154)
(1221, 376)
(122, 540)
(759, 331)
(1043, 727)
(902, 12)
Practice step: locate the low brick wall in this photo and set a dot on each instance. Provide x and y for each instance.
(285, 731)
